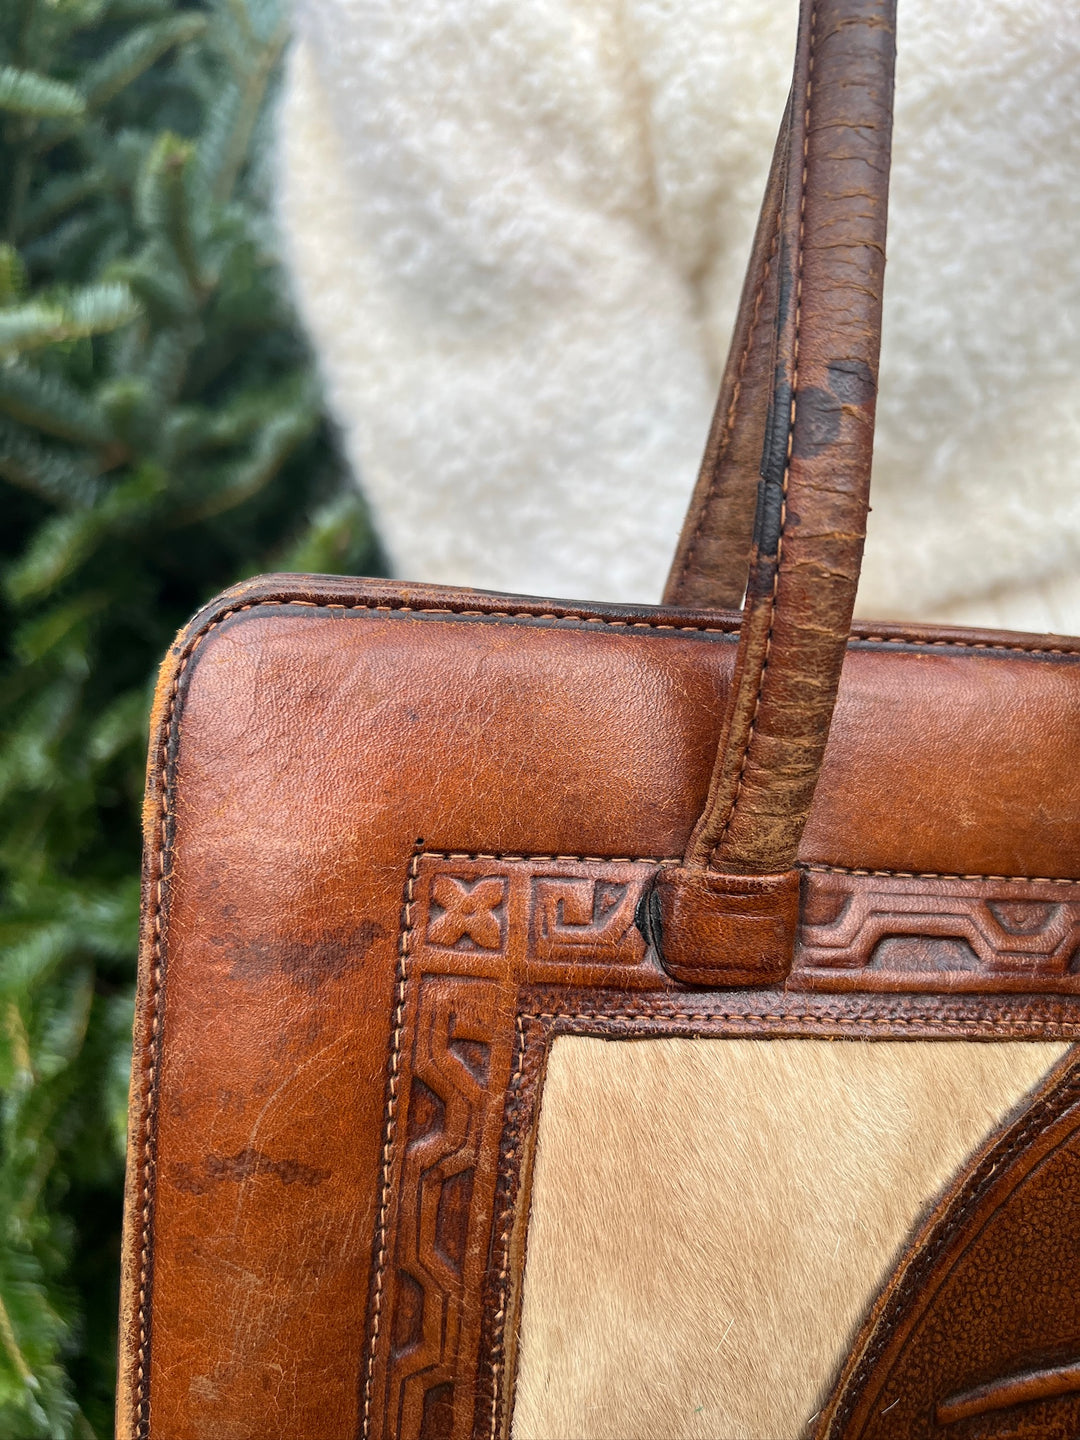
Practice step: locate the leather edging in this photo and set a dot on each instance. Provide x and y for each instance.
(336, 592)
(920, 1271)
(496, 1111)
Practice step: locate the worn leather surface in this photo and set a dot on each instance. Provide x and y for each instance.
(712, 559)
(714, 929)
(815, 468)
(816, 281)
(313, 738)
(867, 931)
(977, 1334)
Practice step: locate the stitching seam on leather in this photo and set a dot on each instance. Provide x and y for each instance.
(724, 441)
(509, 855)
(611, 621)
(499, 1318)
(913, 641)
(937, 875)
(150, 1068)
(962, 645)
(790, 443)
(389, 1135)
(945, 1026)
(144, 1205)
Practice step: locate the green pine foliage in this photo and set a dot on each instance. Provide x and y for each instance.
(161, 436)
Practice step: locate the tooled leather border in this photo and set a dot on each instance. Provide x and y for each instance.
(334, 594)
(468, 1361)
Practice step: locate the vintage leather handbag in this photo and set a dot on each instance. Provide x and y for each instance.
(562, 1019)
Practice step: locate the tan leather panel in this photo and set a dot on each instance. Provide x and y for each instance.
(597, 740)
(953, 762)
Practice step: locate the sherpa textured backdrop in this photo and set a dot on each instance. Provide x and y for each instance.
(517, 234)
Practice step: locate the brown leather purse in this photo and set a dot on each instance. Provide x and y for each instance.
(422, 862)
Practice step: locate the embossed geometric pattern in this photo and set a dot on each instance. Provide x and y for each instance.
(467, 911)
(482, 932)
(476, 928)
(932, 932)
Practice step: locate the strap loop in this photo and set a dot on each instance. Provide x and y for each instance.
(820, 295)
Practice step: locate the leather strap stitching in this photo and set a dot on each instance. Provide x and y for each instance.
(724, 441)
(772, 602)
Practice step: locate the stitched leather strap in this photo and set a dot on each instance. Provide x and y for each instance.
(823, 287)
(712, 558)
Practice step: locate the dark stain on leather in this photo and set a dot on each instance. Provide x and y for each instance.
(819, 411)
(246, 1164)
(851, 386)
(307, 964)
(774, 451)
(852, 382)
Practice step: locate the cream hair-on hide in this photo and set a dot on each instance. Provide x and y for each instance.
(517, 233)
(711, 1219)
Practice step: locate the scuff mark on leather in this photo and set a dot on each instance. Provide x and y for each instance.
(246, 1164)
(851, 386)
(308, 964)
(852, 382)
(817, 424)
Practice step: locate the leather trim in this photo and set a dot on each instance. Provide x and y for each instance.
(987, 1281)
(991, 1017)
(712, 558)
(723, 930)
(478, 1003)
(333, 592)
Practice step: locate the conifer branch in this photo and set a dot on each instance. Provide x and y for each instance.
(160, 436)
(23, 92)
(11, 1348)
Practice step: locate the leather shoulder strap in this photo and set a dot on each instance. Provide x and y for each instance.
(812, 500)
(712, 558)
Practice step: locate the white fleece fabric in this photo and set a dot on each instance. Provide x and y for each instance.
(517, 233)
